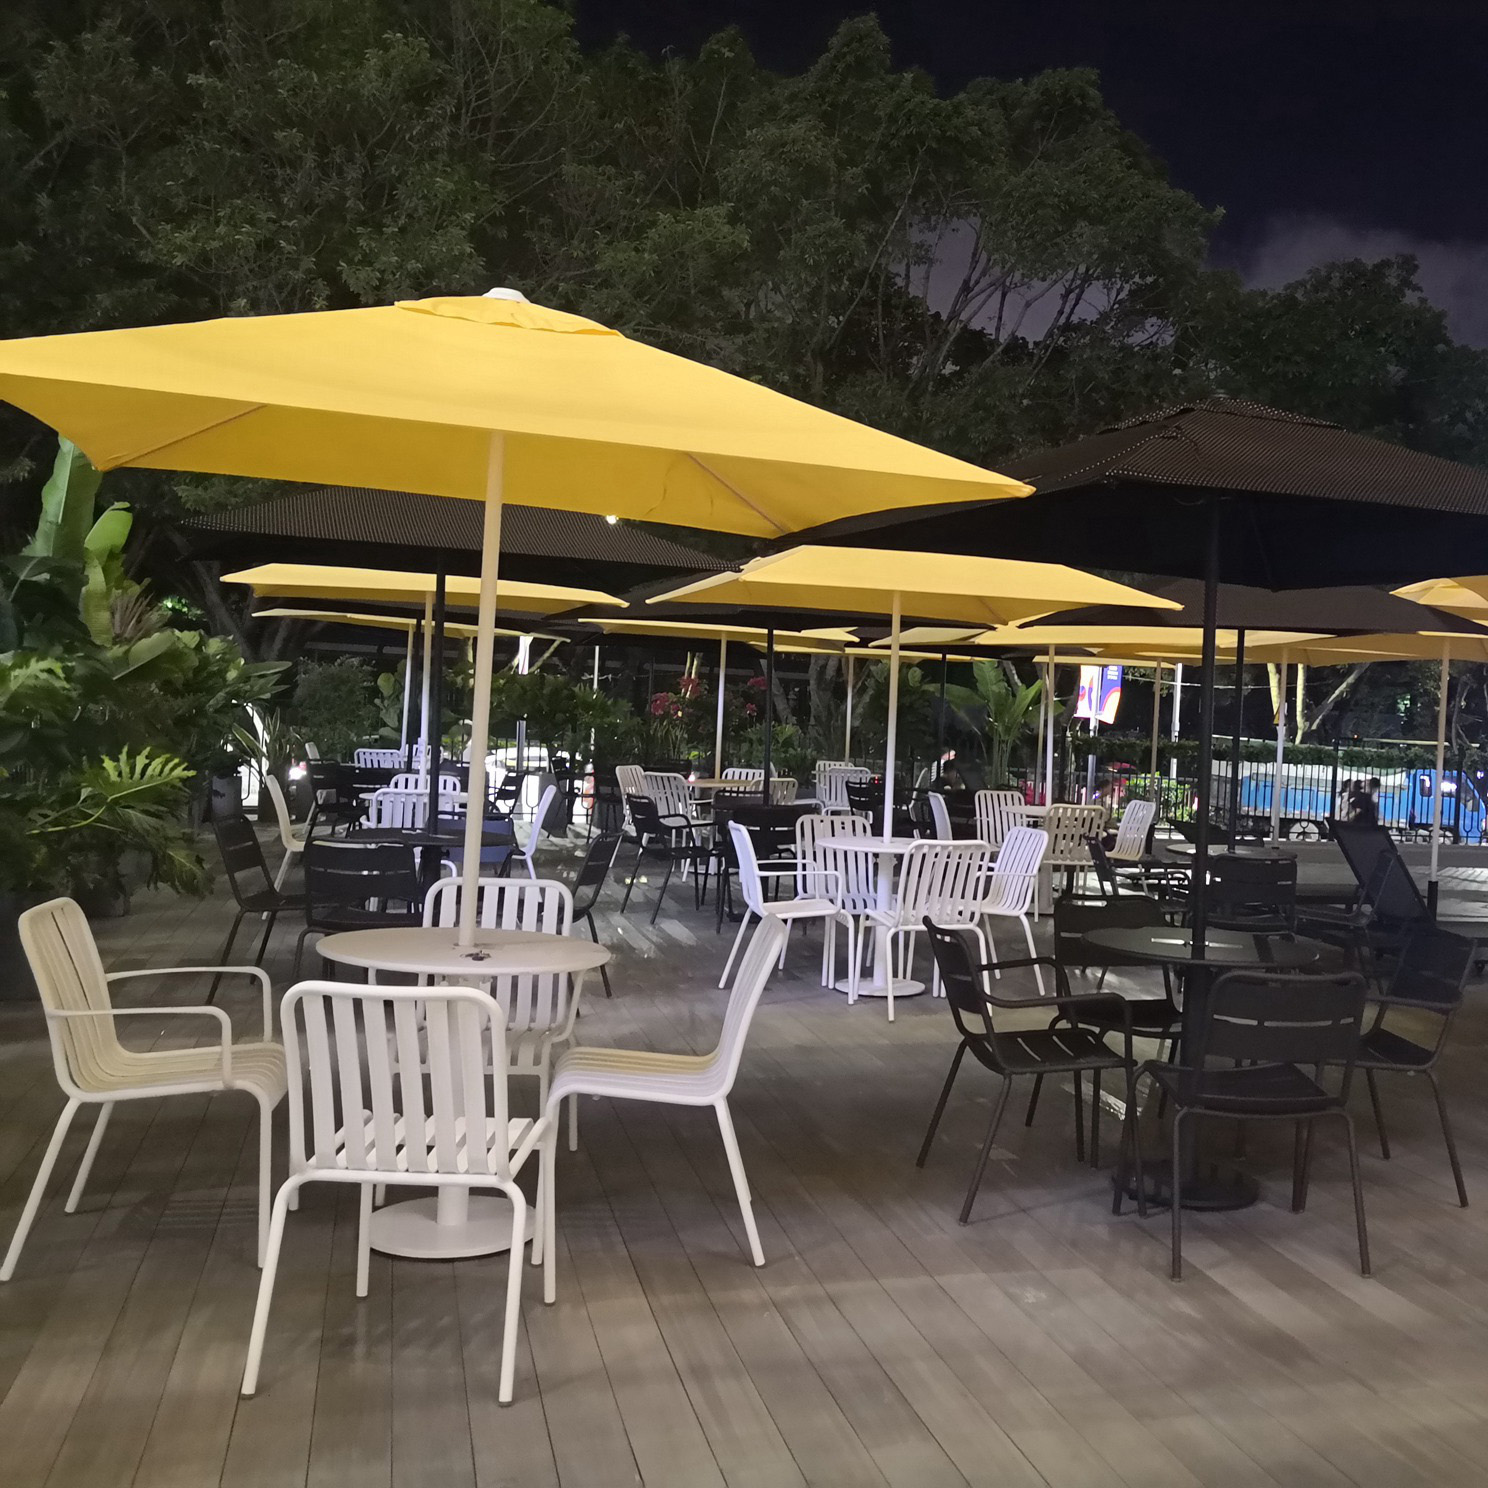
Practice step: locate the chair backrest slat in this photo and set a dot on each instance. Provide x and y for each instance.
(947, 881)
(1131, 835)
(1068, 828)
(69, 975)
(997, 813)
(1014, 879)
(1282, 1019)
(242, 856)
(672, 794)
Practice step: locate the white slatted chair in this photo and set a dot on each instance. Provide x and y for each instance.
(411, 780)
(671, 1079)
(997, 813)
(378, 759)
(1010, 889)
(940, 814)
(631, 779)
(403, 809)
(847, 879)
(1131, 834)
(946, 881)
(290, 840)
(783, 790)
(744, 774)
(672, 793)
(1068, 828)
(818, 905)
(525, 852)
(540, 1010)
(376, 1125)
(95, 1069)
(831, 785)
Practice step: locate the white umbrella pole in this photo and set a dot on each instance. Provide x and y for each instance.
(893, 729)
(1281, 733)
(847, 720)
(1156, 718)
(718, 729)
(1038, 749)
(480, 707)
(427, 682)
(1441, 759)
(407, 688)
(1049, 736)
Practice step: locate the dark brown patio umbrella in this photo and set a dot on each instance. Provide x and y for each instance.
(1225, 492)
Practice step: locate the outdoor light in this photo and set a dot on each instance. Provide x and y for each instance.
(612, 520)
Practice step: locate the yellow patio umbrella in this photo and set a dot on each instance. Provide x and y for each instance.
(485, 397)
(1443, 647)
(934, 586)
(1467, 597)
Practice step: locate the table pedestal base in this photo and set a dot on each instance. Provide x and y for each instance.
(903, 987)
(412, 1228)
(1208, 1190)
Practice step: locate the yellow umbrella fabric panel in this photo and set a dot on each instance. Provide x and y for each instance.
(452, 628)
(1467, 597)
(1410, 646)
(406, 397)
(932, 586)
(829, 639)
(391, 586)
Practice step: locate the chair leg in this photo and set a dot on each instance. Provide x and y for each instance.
(635, 869)
(1038, 1085)
(281, 877)
(547, 1183)
(513, 1297)
(1175, 1198)
(741, 1182)
(1079, 1118)
(1038, 971)
(1353, 1157)
(265, 1172)
(1451, 1141)
(573, 1123)
(1299, 1153)
(940, 1105)
(1299, 1191)
(299, 954)
(226, 951)
(364, 1238)
(38, 1189)
(266, 1289)
(1379, 1112)
(263, 944)
(86, 1166)
(986, 1152)
(1095, 1105)
(661, 894)
(728, 965)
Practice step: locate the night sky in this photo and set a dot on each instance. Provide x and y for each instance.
(1324, 130)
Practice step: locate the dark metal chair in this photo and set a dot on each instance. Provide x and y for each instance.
(353, 886)
(1428, 981)
(1258, 895)
(507, 796)
(673, 838)
(593, 874)
(1259, 1034)
(251, 883)
(334, 796)
(1076, 1049)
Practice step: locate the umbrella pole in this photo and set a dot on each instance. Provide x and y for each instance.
(1432, 885)
(1281, 725)
(1049, 736)
(1156, 720)
(436, 705)
(769, 709)
(1038, 749)
(410, 652)
(891, 737)
(426, 681)
(847, 718)
(1199, 894)
(718, 731)
(480, 707)
(945, 666)
(1235, 734)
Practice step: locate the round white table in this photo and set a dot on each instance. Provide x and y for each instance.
(455, 1222)
(887, 850)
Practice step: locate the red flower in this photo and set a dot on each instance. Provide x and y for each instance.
(750, 711)
(689, 687)
(660, 702)
(758, 683)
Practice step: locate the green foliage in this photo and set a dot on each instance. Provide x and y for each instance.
(997, 712)
(334, 705)
(561, 713)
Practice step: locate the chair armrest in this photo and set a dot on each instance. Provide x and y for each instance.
(221, 1018)
(248, 971)
(538, 1131)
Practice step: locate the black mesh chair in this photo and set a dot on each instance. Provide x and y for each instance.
(866, 798)
(1259, 1035)
(507, 796)
(594, 873)
(1427, 986)
(1076, 1049)
(358, 886)
(1258, 895)
(333, 790)
(671, 838)
(251, 883)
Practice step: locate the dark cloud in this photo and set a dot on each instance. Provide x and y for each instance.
(1454, 275)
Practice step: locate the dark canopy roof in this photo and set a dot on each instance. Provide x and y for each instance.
(1302, 503)
(1348, 608)
(400, 529)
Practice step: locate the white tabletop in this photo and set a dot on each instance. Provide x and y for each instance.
(876, 845)
(434, 951)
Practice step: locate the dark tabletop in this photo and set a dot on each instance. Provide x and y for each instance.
(1223, 850)
(1163, 945)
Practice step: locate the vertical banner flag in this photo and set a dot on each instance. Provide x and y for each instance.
(1100, 693)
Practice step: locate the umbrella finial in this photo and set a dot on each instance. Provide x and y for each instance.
(502, 293)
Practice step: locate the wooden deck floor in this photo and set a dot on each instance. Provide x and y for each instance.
(881, 1344)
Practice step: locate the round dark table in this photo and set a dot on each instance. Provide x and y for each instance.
(1224, 850)
(1210, 1187)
